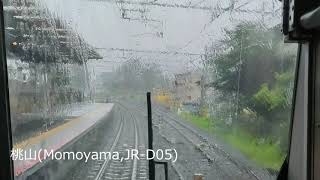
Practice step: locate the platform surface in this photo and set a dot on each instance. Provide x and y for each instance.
(57, 137)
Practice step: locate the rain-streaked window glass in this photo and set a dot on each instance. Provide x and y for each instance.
(220, 76)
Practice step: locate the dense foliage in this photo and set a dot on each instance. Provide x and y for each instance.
(255, 69)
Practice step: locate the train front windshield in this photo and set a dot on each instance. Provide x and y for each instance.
(220, 76)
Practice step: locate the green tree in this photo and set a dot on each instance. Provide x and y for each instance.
(256, 69)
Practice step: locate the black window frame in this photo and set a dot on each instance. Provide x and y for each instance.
(6, 163)
(301, 25)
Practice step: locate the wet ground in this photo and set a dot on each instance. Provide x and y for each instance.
(197, 152)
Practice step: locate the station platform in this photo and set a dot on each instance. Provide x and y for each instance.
(55, 139)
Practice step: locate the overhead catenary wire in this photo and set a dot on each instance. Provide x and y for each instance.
(150, 51)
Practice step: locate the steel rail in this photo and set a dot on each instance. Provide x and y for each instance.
(249, 171)
(115, 142)
(134, 166)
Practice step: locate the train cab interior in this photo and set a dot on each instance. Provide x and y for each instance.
(214, 89)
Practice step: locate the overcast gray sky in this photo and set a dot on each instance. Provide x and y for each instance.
(184, 30)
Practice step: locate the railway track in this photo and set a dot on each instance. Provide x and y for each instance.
(141, 165)
(215, 155)
(212, 152)
(224, 164)
(195, 140)
(175, 166)
(127, 138)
